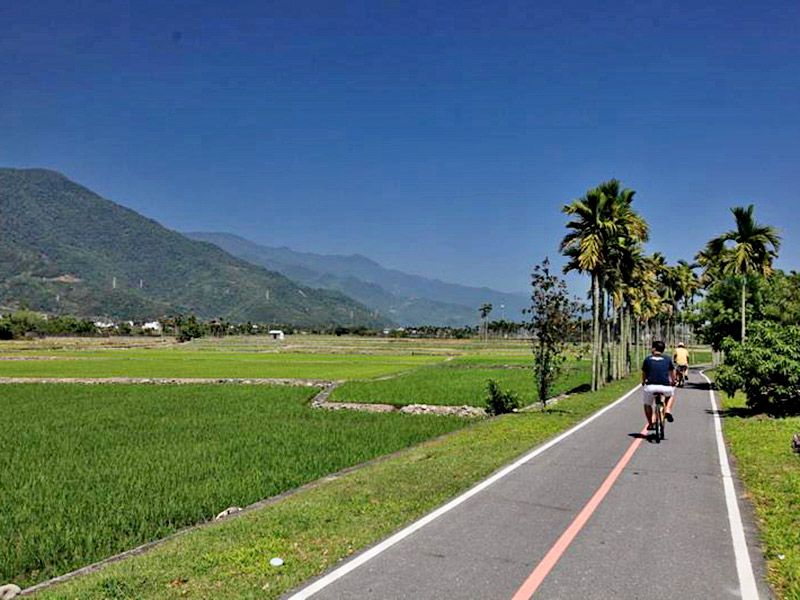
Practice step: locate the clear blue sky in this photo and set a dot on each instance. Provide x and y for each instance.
(441, 138)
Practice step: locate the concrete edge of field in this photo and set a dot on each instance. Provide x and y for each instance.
(146, 547)
(748, 514)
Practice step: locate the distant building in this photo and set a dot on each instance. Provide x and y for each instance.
(105, 325)
(152, 326)
(276, 334)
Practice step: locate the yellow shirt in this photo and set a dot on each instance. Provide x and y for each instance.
(680, 357)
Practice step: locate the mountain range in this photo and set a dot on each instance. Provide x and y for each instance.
(64, 249)
(406, 299)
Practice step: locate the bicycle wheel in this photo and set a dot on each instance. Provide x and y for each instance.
(659, 424)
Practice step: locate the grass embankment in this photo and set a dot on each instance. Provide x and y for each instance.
(771, 474)
(88, 471)
(183, 363)
(461, 381)
(319, 526)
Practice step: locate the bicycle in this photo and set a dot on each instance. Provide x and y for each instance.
(680, 376)
(659, 411)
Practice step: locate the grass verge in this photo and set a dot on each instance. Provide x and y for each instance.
(317, 527)
(771, 475)
(91, 471)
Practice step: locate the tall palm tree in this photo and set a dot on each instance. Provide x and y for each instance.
(602, 224)
(688, 284)
(745, 251)
(585, 248)
(485, 310)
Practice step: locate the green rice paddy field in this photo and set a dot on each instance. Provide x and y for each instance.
(91, 471)
(462, 381)
(188, 364)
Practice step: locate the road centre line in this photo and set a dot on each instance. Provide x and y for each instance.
(744, 567)
(535, 579)
(359, 560)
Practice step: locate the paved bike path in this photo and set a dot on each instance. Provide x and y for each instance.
(666, 508)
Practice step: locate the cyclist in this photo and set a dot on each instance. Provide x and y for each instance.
(658, 377)
(681, 359)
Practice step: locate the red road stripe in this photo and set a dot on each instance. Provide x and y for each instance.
(553, 555)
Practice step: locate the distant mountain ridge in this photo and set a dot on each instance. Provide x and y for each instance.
(64, 249)
(409, 299)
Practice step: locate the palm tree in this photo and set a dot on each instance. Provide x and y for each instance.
(688, 284)
(603, 225)
(745, 251)
(485, 309)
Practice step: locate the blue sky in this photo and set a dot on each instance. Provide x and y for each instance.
(440, 138)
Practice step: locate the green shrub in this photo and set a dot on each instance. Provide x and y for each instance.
(190, 330)
(500, 401)
(766, 367)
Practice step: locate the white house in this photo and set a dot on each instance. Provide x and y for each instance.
(276, 334)
(152, 326)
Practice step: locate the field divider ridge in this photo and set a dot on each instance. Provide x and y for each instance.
(169, 380)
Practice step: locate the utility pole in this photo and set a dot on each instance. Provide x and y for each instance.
(114, 283)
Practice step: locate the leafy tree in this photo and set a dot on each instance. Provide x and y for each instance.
(780, 298)
(718, 315)
(766, 366)
(553, 319)
(745, 251)
(190, 330)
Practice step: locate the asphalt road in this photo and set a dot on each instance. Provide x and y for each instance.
(662, 530)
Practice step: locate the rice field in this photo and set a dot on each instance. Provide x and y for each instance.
(91, 471)
(462, 381)
(216, 364)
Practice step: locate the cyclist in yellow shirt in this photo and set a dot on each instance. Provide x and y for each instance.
(681, 359)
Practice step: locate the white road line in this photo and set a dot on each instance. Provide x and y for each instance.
(744, 568)
(353, 564)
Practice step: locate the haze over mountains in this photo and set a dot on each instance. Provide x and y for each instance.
(406, 299)
(64, 249)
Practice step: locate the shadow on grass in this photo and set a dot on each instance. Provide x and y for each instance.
(579, 389)
(745, 412)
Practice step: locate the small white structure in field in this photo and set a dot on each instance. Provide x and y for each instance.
(152, 326)
(276, 334)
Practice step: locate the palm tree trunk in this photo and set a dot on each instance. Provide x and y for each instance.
(744, 290)
(627, 362)
(615, 346)
(595, 331)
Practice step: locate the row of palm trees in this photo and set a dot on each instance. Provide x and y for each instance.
(636, 296)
